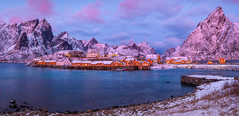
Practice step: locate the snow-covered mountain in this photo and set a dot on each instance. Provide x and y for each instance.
(141, 49)
(28, 40)
(215, 37)
(25, 40)
(64, 41)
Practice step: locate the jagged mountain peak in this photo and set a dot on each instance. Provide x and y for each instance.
(64, 34)
(26, 23)
(44, 20)
(144, 43)
(218, 12)
(29, 25)
(215, 20)
(45, 23)
(215, 37)
(91, 42)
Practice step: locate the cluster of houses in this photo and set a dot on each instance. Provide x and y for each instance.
(221, 61)
(178, 60)
(186, 60)
(67, 62)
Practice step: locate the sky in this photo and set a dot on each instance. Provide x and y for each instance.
(162, 23)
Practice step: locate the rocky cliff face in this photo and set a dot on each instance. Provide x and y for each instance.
(215, 37)
(25, 41)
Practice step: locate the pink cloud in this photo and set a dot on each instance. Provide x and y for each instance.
(134, 8)
(44, 7)
(90, 13)
(14, 19)
(31, 10)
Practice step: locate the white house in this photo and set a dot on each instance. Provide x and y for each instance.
(92, 54)
(152, 56)
(64, 62)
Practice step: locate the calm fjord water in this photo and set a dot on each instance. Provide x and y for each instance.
(79, 90)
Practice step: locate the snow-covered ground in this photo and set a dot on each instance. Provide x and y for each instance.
(197, 66)
(211, 77)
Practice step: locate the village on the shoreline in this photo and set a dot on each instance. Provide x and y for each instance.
(93, 60)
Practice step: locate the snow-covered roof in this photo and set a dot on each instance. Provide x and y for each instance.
(86, 61)
(37, 59)
(96, 62)
(50, 61)
(107, 62)
(130, 59)
(129, 56)
(178, 58)
(40, 61)
(77, 61)
(119, 58)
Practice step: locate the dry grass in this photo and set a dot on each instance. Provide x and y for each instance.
(229, 89)
(232, 88)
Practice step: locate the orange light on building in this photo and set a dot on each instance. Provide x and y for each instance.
(209, 62)
(222, 61)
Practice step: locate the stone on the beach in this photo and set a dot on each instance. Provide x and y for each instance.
(12, 101)
(88, 111)
(13, 106)
(236, 78)
(115, 106)
(18, 109)
(44, 110)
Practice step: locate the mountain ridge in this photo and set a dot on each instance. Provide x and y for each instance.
(30, 39)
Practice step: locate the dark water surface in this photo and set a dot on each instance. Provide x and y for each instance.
(79, 90)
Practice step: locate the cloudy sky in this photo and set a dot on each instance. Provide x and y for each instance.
(162, 23)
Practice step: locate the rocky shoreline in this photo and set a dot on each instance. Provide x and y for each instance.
(216, 98)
